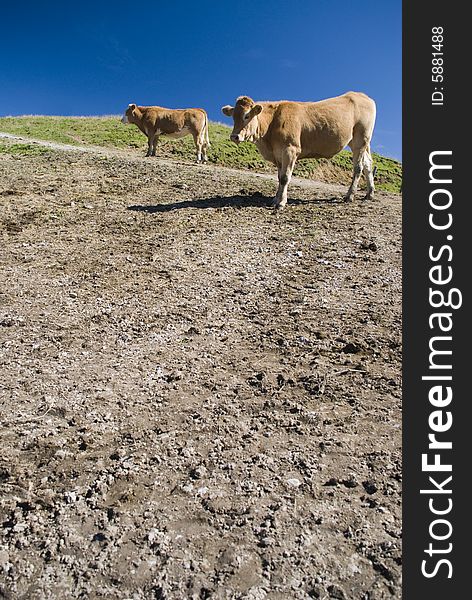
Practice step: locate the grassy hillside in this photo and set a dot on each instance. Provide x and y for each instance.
(109, 131)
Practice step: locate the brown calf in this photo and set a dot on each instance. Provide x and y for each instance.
(154, 121)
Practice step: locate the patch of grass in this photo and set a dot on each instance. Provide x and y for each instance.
(110, 132)
(22, 149)
(100, 131)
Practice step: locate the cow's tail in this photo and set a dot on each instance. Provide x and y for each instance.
(207, 137)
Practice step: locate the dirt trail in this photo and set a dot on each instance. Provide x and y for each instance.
(137, 155)
(199, 398)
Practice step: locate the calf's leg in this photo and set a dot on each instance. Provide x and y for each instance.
(204, 147)
(368, 172)
(203, 144)
(198, 146)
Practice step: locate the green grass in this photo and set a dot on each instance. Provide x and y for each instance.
(100, 131)
(110, 132)
(21, 149)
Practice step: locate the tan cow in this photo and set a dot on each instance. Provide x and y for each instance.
(286, 131)
(154, 121)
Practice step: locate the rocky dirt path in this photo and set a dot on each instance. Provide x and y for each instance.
(133, 154)
(199, 398)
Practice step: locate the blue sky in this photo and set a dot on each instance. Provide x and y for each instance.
(60, 58)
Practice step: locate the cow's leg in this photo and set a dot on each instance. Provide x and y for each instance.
(154, 145)
(368, 172)
(357, 160)
(273, 204)
(289, 158)
(150, 144)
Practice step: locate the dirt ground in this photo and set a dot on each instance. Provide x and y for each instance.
(200, 398)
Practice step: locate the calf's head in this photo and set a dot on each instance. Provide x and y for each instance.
(130, 114)
(244, 115)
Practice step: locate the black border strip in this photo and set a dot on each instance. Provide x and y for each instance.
(438, 128)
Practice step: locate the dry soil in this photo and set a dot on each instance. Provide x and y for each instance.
(200, 397)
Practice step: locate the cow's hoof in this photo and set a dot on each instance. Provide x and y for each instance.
(348, 198)
(368, 197)
(276, 204)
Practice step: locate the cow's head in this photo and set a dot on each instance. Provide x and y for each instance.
(129, 114)
(244, 115)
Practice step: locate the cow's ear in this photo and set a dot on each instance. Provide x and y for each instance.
(132, 106)
(256, 109)
(227, 110)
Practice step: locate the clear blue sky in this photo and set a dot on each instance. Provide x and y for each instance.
(84, 58)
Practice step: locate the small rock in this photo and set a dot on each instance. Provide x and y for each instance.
(350, 483)
(154, 535)
(332, 481)
(336, 592)
(372, 246)
(369, 487)
(267, 541)
(351, 348)
(199, 472)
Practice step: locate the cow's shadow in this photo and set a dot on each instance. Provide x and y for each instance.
(255, 200)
